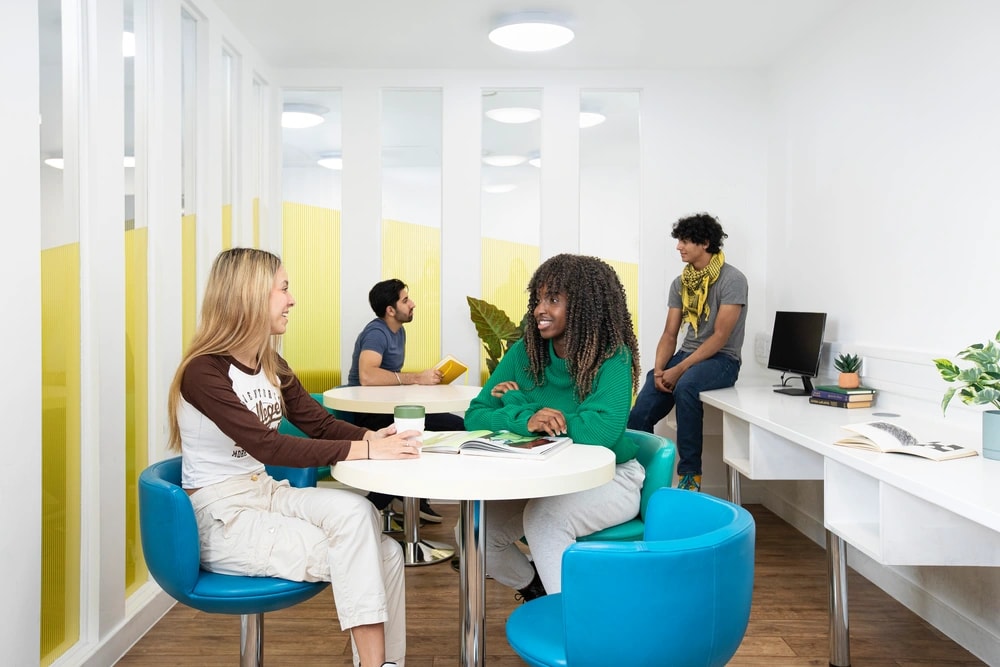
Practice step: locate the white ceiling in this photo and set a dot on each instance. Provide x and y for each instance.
(433, 34)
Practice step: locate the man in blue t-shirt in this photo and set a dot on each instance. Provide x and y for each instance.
(710, 298)
(377, 359)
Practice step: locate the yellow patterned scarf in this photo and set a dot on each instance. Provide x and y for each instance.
(694, 290)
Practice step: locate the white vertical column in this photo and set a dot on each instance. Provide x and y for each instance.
(20, 494)
(560, 184)
(461, 258)
(158, 132)
(361, 212)
(102, 317)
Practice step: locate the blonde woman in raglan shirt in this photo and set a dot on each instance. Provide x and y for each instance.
(229, 395)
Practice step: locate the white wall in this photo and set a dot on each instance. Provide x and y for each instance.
(883, 212)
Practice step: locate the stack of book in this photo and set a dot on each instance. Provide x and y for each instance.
(838, 397)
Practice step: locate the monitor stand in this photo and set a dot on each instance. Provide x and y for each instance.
(806, 390)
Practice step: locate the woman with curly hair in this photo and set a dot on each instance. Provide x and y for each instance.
(573, 373)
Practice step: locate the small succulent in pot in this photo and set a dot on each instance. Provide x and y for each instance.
(848, 365)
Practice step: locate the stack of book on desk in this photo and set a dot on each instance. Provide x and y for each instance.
(838, 397)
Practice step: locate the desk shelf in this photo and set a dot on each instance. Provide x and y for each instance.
(758, 453)
(894, 527)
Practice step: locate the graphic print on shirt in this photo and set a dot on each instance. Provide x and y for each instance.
(259, 396)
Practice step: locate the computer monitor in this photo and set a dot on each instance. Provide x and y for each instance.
(796, 342)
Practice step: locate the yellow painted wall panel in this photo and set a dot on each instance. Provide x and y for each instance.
(311, 254)
(136, 398)
(189, 279)
(412, 253)
(256, 222)
(507, 268)
(227, 226)
(60, 621)
(628, 273)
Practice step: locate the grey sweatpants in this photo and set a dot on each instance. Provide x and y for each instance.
(552, 524)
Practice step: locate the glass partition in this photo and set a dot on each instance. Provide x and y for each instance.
(136, 315)
(228, 129)
(411, 213)
(310, 213)
(60, 310)
(189, 173)
(511, 201)
(610, 184)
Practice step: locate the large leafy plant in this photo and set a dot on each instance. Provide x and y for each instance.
(497, 331)
(980, 383)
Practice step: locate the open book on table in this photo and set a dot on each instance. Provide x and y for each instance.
(494, 443)
(888, 437)
(451, 369)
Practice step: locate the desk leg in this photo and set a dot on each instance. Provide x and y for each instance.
(735, 492)
(472, 583)
(840, 637)
(415, 550)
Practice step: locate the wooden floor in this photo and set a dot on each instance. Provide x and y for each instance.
(788, 623)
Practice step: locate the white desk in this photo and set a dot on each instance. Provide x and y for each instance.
(896, 509)
(383, 400)
(473, 478)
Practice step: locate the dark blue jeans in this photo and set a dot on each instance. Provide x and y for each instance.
(652, 405)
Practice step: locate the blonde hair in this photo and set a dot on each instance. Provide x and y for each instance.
(235, 315)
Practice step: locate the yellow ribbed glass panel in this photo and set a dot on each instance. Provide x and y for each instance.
(507, 268)
(227, 226)
(136, 399)
(189, 279)
(60, 621)
(628, 273)
(311, 254)
(412, 253)
(256, 222)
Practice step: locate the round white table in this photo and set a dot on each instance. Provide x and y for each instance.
(382, 400)
(474, 478)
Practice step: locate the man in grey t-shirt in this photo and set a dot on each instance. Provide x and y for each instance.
(710, 299)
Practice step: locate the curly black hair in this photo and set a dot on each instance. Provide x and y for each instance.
(598, 323)
(700, 228)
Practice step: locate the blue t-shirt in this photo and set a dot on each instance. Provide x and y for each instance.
(378, 337)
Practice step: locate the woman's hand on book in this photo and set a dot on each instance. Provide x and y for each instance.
(547, 420)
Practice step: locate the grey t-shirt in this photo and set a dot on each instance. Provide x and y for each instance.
(730, 288)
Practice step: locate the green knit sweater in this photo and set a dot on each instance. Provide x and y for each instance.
(599, 420)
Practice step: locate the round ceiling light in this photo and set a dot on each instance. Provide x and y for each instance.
(591, 118)
(504, 160)
(331, 161)
(298, 116)
(531, 31)
(535, 160)
(514, 115)
(55, 162)
(128, 44)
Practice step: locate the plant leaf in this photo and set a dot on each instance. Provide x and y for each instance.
(947, 399)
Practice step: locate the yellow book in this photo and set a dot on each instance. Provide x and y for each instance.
(451, 368)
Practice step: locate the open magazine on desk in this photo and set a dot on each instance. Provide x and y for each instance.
(494, 443)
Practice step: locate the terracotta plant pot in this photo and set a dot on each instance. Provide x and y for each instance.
(848, 381)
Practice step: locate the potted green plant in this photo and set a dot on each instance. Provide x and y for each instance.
(496, 331)
(848, 365)
(978, 384)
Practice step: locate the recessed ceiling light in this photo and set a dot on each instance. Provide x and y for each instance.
(56, 162)
(591, 118)
(298, 116)
(514, 115)
(504, 160)
(535, 160)
(128, 44)
(331, 161)
(499, 188)
(531, 31)
(129, 162)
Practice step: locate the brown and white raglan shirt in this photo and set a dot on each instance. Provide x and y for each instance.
(229, 416)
